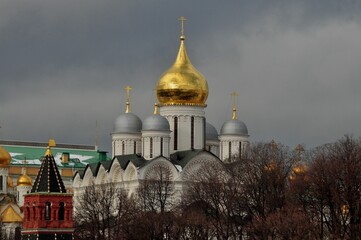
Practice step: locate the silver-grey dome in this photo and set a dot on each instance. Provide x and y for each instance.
(234, 127)
(211, 132)
(156, 122)
(127, 123)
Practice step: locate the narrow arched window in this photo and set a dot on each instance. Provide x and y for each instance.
(28, 213)
(61, 211)
(47, 210)
(240, 150)
(229, 150)
(123, 146)
(192, 132)
(161, 146)
(135, 147)
(175, 133)
(151, 147)
(1, 183)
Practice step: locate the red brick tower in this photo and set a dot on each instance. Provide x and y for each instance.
(48, 208)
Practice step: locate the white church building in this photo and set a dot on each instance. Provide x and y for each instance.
(177, 137)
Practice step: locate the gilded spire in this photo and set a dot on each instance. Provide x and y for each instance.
(127, 107)
(234, 110)
(50, 144)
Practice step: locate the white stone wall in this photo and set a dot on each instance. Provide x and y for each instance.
(235, 141)
(184, 115)
(156, 150)
(4, 172)
(213, 146)
(21, 191)
(127, 140)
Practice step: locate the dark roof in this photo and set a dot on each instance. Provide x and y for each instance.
(106, 164)
(183, 157)
(48, 179)
(124, 160)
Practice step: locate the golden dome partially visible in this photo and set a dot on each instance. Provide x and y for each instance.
(299, 169)
(10, 182)
(5, 157)
(24, 180)
(182, 84)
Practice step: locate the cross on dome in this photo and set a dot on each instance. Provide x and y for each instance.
(234, 112)
(127, 91)
(182, 19)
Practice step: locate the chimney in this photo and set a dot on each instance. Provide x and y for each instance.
(65, 157)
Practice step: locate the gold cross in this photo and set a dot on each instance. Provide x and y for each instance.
(128, 89)
(234, 95)
(182, 19)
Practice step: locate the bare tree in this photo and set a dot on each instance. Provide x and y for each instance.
(104, 212)
(331, 191)
(155, 192)
(155, 197)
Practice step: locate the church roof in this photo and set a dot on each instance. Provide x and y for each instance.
(48, 179)
(124, 160)
(32, 152)
(9, 215)
(183, 157)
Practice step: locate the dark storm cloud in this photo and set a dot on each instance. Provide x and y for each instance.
(295, 64)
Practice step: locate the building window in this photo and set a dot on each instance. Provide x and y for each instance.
(61, 211)
(229, 150)
(135, 147)
(161, 146)
(204, 132)
(175, 133)
(28, 213)
(47, 210)
(1, 183)
(240, 150)
(123, 146)
(192, 132)
(151, 147)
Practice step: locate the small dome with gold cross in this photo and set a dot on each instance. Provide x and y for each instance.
(24, 180)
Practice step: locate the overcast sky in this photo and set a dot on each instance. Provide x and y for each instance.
(296, 65)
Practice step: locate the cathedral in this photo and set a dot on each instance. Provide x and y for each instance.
(176, 137)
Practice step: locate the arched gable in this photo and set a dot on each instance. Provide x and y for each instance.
(116, 173)
(151, 170)
(102, 176)
(88, 178)
(197, 163)
(130, 172)
(77, 180)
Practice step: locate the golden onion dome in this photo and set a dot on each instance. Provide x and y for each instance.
(24, 180)
(182, 83)
(5, 157)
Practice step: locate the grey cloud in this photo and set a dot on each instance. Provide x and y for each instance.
(64, 64)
